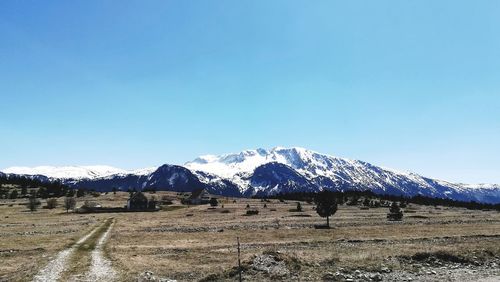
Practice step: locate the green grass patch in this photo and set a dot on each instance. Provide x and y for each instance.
(172, 208)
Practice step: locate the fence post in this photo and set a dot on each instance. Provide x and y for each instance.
(239, 260)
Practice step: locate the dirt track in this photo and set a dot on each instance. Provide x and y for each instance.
(100, 268)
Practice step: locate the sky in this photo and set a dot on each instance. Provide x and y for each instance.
(410, 85)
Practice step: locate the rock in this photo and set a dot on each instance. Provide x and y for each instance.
(385, 270)
(375, 277)
(149, 276)
(329, 276)
(269, 264)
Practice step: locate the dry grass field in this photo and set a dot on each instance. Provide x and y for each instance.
(199, 243)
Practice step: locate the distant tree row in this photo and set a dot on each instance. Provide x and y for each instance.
(353, 198)
(27, 187)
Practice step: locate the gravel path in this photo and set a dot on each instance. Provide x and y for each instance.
(100, 267)
(54, 269)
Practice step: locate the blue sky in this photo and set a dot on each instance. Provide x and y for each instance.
(412, 85)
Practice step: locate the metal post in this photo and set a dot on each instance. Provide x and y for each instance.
(239, 260)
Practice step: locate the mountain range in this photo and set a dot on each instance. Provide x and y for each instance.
(263, 172)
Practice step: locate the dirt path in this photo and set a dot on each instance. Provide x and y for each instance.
(100, 267)
(53, 270)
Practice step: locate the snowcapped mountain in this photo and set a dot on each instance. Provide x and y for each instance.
(264, 172)
(328, 172)
(75, 172)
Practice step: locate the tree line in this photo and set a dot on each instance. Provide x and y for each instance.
(352, 196)
(44, 189)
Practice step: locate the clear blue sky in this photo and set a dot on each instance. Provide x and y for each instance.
(412, 85)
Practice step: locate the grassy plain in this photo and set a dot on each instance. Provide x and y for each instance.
(198, 242)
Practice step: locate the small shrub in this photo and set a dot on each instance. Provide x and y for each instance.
(252, 212)
(299, 207)
(52, 203)
(214, 202)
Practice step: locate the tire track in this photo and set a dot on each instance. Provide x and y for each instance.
(53, 270)
(101, 268)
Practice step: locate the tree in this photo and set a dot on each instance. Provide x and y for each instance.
(299, 207)
(395, 213)
(366, 202)
(214, 202)
(42, 193)
(69, 203)
(52, 203)
(326, 205)
(13, 194)
(24, 190)
(80, 193)
(71, 193)
(33, 203)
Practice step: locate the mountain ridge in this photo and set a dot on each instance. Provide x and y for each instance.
(267, 172)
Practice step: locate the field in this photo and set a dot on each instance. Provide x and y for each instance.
(192, 243)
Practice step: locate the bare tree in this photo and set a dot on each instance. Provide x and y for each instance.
(52, 203)
(33, 203)
(69, 203)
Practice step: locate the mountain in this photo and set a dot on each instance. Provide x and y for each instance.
(265, 172)
(73, 172)
(333, 173)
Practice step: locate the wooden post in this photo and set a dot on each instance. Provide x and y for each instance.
(239, 260)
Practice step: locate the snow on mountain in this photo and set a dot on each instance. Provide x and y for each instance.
(328, 172)
(311, 164)
(74, 172)
(264, 172)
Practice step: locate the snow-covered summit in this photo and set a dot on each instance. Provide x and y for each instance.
(306, 161)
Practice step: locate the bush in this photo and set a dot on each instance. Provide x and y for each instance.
(299, 207)
(252, 212)
(214, 202)
(13, 194)
(52, 203)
